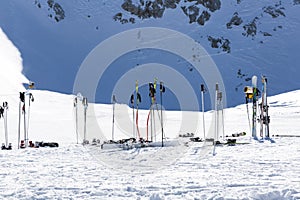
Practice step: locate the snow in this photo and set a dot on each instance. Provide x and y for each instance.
(185, 171)
(11, 66)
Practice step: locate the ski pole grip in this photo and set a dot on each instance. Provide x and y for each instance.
(202, 88)
(217, 86)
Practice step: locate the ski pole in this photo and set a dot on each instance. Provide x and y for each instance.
(202, 99)
(76, 117)
(19, 126)
(5, 106)
(216, 112)
(28, 116)
(85, 104)
(113, 120)
(162, 90)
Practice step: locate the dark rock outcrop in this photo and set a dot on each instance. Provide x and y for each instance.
(274, 11)
(156, 8)
(250, 28)
(55, 10)
(220, 43)
(296, 2)
(235, 20)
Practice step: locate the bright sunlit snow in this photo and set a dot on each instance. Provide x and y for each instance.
(184, 171)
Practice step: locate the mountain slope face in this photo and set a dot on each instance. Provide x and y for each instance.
(242, 37)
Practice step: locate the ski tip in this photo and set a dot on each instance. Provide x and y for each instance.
(254, 81)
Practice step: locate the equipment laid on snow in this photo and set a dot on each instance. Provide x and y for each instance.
(22, 144)
(231, 142)
(196, 139)
(187, 135)
(131, 143)
(95, 142)
(47, 144)
(237, 134)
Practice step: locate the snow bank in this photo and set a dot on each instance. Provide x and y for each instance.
(11, 77)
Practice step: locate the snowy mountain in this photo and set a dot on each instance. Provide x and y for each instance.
(185, 171)
(242, 37)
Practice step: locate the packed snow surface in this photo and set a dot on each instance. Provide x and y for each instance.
(256, 170)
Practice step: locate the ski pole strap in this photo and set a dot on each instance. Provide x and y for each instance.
(1, 111)
(219, 96)
(85, 102)
(132, 99)
(5, 104)
(22, 96)
(162, 87)
(75, 101)
(138, 98)
(151, 90)
(31, 97)
(114, 100)
(217, 87)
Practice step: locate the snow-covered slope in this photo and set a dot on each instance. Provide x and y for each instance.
(11, 67)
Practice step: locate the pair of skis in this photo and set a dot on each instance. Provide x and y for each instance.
(252, 93)
(264, 111)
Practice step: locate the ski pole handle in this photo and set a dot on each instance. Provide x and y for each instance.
(202, 88)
